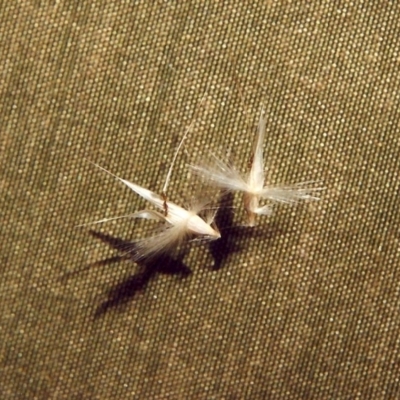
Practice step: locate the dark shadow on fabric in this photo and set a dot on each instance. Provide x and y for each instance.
(233, 238)
(126, 290)
(221, 248)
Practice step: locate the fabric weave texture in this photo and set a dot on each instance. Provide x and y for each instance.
(303, 306)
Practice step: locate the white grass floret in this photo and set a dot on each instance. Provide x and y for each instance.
(223, 175)
(178, 223)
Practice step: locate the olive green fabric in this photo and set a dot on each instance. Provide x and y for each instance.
(304, 306)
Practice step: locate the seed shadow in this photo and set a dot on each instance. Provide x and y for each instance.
(220, 249)
(124, 291)
(233, 237)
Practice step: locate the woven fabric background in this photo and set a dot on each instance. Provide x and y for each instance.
(305, 305)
